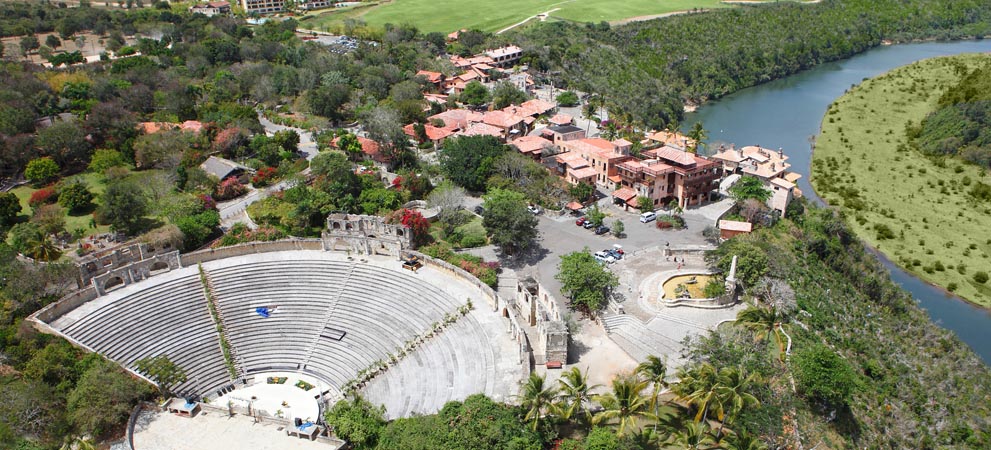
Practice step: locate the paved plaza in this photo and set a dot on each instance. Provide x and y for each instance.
(213, 431)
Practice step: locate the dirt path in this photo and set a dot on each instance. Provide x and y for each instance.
(542, 16)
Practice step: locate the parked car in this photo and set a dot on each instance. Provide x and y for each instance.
(602, 229)
(614, 253)
(534, 209)
(480, 210)
(604, 257)
(581, 221)
(589, 224)
(648, 216)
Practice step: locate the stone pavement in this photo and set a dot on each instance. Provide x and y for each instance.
(213, 431)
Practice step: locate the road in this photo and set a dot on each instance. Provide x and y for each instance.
(235, 210)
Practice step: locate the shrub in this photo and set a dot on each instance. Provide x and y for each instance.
(41, 170)
(42, 196)
(669, 221)
(567, 98)
(883, 232)
(714, 288)
(472, 241)
(952, 287)
(981, 277)
(230, 188)
(75, 196)
(264, 176)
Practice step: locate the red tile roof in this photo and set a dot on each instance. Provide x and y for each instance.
(561, 119)
(368, 147)
(733, 225)
(674, 155)
(624, 193)
(501, 119)
(482, 129)
(433, 77)
(531, 144)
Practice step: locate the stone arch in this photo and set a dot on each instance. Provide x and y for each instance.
(159, 266)
(336, 225)
(113, 283)
(399, 232)
(348, 226)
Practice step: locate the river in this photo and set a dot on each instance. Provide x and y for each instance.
(786, 114)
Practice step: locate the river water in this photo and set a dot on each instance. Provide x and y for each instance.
(786, 114)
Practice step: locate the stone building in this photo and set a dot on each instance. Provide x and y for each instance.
(365, 235)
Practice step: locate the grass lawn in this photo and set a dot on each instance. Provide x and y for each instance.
(72, 222)
(450, 15)
(938, 231)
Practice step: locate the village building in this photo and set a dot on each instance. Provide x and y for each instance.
(730, 228)
(189, 126)
(667, 174)
(563, 133)
(656, 139)
(211, 9)
(561, 120)
(574, 168)
(770, 166)
(505, 56)
(602, 155)
(434, 78)
(369, 148)
(262, 6)
(310, 5)
(535, 147)
(482, 129)
(223, 168)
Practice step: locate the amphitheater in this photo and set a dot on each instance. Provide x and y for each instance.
(332, 316)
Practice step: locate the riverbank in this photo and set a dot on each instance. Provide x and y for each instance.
(913, 210)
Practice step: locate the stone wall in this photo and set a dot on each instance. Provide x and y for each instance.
(539, 307)
(135, 271)
(365, 235)
(105, 261)
(211, 254)
(65, 304)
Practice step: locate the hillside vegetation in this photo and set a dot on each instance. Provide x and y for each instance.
(962, 124)
(928, 213)
(646, 70)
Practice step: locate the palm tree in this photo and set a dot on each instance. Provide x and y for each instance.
(698, 387)
(654, 370)
(762, 322)
(626, 403)
(575, 393)
(536, 398)
(742, 441)
(42, 249)
(734, 391)
(698, 134)
(695, 436)
(77, 443)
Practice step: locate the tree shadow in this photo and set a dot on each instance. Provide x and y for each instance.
(528, 257)
(575, 350)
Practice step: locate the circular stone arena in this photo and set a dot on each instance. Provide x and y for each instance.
(330, 318)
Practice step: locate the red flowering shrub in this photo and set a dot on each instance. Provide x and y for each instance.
(264, 176)
(42, 196)
(230, 188)
(230, 140)
(414, 221)
(208, 201)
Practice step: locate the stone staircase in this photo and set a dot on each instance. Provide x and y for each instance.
(218, 314)
(639, 341)
(328, 314)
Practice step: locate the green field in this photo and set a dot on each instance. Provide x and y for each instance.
(862, 164)
(450, 15)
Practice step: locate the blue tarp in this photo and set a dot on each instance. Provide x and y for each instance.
(263, 311)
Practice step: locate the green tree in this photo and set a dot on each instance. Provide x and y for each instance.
(752, 261)
(357, 421)
(75, 196)
(348, 143)
(66, 143)
(601, 438)
(10, 207)
(595, 215)
(698, 386)
(567, 98)
(653, 370)
(41, 170)
(22, 234)
(29, 43)
(625, 404)
(475, 94)
(748, 187)
(734, 392)
(586, 282)
(823, 375)
(505, 94)
(576, 395)
(698, 134)
(50, 219)
(123, 205)
(581, 192)
(468, 160)
(536, 397)
(103, 398)
(762, 322)
(981, 277)
(162, 371)
(53, 41)
(618, 228)
(104, 159)
(645, 204)
(695, 436)
(507, 222)
(742, 440)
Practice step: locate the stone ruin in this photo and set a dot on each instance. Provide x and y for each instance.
(539, 309)
(365, 235)
(125, 264)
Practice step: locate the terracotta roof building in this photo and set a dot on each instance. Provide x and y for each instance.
(671, 174)
(768, 165)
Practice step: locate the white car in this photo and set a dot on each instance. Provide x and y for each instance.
(604, 257)
(648, 217)
(534, 209)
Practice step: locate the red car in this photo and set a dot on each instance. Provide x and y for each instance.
(581, 221)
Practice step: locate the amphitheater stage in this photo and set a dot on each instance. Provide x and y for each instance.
(214, 431)
(378, 306)
(280, 400)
